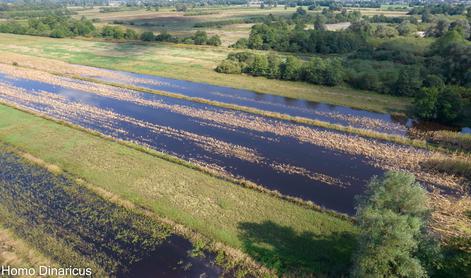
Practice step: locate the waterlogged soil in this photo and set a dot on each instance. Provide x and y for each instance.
(251, 149)
(74, 227)
(315, 164)
(342, 115)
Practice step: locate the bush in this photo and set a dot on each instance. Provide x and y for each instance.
(291, 69)
(147, 36)
(241, 43)
(214, 40)
(200, 37)
(229, 66)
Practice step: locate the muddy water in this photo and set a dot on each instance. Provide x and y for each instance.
(47, 210)
(327, 177)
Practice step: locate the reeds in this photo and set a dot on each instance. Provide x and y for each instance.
(452, 140)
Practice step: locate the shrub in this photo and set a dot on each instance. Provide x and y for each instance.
(214, 40)
(229, 66)
(241, 43)
(200, 37)
(147, 36)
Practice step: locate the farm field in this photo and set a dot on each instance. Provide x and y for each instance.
(218, 217)
(188, 62)
(216, 208)
(213, 139)
(183, 23)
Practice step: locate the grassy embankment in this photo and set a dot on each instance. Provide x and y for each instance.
(279, 234)
(190, 62)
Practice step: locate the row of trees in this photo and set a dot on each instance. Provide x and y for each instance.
(53, 26)
(199, 38)
(317, 70)
(279, 36)
(61, 27)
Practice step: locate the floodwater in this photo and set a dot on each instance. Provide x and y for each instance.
(342, 115)
(38, 205)
(173, 259)
(336, 114)
(245, 146)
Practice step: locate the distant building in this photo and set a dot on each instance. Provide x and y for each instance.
(254, 3)
(116, 3)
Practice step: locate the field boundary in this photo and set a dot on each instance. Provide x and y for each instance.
(204, 170)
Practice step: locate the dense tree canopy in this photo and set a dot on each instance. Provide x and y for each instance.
(391, 216)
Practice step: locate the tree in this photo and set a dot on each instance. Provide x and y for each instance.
(425, 103)
(291, 68)
(241, 43)
(259, 66)
(256, 41)
(214, 40)
(434, 81)
(274, 63)
(406, 28)
(462, 26)
(391, 216)
(383, 31)
(130, 34)
(449, 105)
(147, 36)
(408, 82)
(319, 22)
(179, 7)
(200, 37)
(59, 32)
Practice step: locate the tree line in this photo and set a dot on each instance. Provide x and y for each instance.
(317, 70)
(64, 26)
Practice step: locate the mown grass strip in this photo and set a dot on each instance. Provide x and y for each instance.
(239, 217)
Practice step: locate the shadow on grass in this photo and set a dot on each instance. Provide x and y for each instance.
(284, 250)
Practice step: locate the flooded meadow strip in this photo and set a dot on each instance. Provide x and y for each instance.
(323, 166)
(73, 227)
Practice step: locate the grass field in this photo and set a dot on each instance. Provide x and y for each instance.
(182, 23)
(190, 62)
(277, 233)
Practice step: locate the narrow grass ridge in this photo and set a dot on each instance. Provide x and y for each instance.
(274, 115)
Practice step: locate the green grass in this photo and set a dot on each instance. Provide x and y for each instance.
(194, 63)
(252, 221)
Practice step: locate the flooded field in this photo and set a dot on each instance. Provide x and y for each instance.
(380, 122)
(318, 111)
(74, 227)
(294, 159)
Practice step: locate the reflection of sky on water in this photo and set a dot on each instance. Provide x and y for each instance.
(274, 149)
